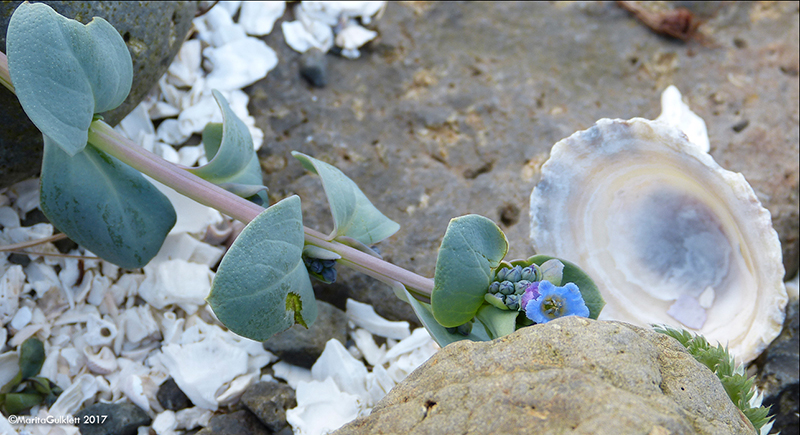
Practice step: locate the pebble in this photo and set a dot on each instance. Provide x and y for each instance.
(269, 402)
(113, 418)
(314, 67)
(780, 376)
(236, 423)
(171, 397)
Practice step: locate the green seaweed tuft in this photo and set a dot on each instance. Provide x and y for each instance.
(717, 358)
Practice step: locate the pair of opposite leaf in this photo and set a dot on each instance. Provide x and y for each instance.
(262, 286)
(65, 74)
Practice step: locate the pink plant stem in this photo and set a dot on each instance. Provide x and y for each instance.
(105, 138)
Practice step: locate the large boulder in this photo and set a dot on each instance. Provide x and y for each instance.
(571, 375)
(153, 31)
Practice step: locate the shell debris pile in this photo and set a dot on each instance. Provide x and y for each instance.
(112, 335)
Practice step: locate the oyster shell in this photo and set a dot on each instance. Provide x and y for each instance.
(668, 235)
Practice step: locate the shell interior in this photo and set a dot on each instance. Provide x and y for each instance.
(668, 235)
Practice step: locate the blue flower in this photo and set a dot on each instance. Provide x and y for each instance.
(554, 302)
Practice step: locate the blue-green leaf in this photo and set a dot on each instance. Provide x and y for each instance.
(472, 246)
(574, 274)
(233, 164)
(16, 403)
(498, 323)
(353, 214)
(65, 72)
(439, 333)
(319, 253)
(262, 286)
(104, 205)
(31, 357)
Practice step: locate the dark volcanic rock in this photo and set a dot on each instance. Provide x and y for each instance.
(236, 423)
(171, 397)
(269, 401)
(111, 419)
(780, 374)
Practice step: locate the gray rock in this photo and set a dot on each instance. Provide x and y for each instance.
(571, 375)
(153, 31)
(241, 422)
(300, 346)
(453, 109)
(112, 419)
(171, 397)
(269, 401)
(313, 67)
(779, 376)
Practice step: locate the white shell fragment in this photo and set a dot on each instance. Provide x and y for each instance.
(676, 113)
(303, 37)
(321, 408)
(668, 236)
(102, 363)
(363, 315)
(239, 63)
(258, 17)
(11, 284)
(176, 282)
(320, 24)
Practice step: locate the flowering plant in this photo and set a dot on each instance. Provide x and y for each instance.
(66, 74)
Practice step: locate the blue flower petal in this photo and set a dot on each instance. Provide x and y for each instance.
(554, 302)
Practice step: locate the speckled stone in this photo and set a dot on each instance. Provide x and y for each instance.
(241, 422)
(571, 375)
(117, 419)
(154, 32)
(269, 401)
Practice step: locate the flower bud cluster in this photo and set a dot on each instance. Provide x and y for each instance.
(323, 270)
(510, 283)
(535, 291)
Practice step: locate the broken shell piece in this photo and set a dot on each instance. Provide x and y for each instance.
(139, 323)
(99, 332)
(656, 222)
(257, 18)
(193, 417)
(11, 284)
(134, 390)
(678, 114)
(322, 407)
(336, 363)
(83, 388)
(293, 375)
(102, 363)
(364, 315)
(9, 366)
(237, 388)
(239, 63)
(165, 423)
(200, 369)
(8, 217)
(305, 37)
(176, 282)
(352, 37)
